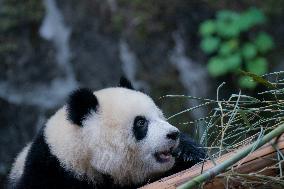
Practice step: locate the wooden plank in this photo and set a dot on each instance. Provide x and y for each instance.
(256, 161)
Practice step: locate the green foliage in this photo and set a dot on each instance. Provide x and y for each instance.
(228, 47)
(208, 28)
(210, 44)
(221, 65)
(216, 66)
(263, 42)
(257, 66)
(261, 80)
(233, 42)
(249, 51)
(233, 62)
(247, 82)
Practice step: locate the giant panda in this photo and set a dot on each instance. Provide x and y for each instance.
(111, 138)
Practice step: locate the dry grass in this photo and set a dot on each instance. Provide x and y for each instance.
(241, 120)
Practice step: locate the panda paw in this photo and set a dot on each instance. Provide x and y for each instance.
(188, 151)
(187, 154)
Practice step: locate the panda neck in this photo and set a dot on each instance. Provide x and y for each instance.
(66, 144)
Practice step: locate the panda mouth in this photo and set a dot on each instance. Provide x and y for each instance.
(164, 156)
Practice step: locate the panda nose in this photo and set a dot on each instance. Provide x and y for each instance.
(174, 135)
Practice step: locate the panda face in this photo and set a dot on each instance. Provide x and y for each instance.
(128, 136)
(155, 140)
(114, 131)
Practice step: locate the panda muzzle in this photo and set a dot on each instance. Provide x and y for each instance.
(164, 156)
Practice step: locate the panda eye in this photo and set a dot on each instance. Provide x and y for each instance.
(140, 127)
(140, 121)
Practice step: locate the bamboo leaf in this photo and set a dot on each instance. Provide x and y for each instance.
(211, 173)
(259, 79)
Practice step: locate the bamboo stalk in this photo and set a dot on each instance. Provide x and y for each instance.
(259, 161)
(228, 163)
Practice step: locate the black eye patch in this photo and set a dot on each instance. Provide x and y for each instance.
(140, 127)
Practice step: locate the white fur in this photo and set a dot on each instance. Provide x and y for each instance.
(67, 142)
(106, 144)
(19, 164)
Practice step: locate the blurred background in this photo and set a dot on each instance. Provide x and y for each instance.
(50, 47)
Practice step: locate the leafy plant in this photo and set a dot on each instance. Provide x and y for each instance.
(232, 43)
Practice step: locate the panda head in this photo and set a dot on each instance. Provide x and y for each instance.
(120, 132)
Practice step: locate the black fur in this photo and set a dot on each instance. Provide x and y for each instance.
(43, 171)
(140, 131)
(79, 105)
(187, 154)
(125, 83)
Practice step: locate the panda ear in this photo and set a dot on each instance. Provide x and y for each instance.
(124, 82)
(80, 104)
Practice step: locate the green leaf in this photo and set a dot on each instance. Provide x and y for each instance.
(216, 67)
(245, 22)
(264, 42)
(250, 18)
(228, 47)
(209, 44)
(249, 51)
(255, 16)
(227, 15)
(247, 82)
(227, 29)
(230, 23)
(207, 28)
(227, 24)
(258, 66)
(233, 62)
(258, 79)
